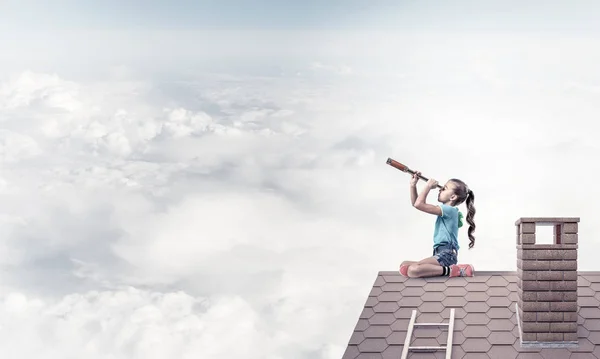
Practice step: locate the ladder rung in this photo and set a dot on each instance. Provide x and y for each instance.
(426, 348)
(431, 324)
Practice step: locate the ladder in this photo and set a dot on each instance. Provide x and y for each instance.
(448, 347)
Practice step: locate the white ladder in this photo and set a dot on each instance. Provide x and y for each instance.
(412, 324)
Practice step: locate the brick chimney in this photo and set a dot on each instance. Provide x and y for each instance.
(547, 282)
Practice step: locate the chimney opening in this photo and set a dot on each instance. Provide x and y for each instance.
(544, 234)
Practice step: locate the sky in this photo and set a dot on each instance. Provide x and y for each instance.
(208, 179)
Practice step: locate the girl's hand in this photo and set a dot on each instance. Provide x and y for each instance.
(432, 183)
(415, 178)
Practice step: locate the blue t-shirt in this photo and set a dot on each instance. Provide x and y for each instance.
(446, 227)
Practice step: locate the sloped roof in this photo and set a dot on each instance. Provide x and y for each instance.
(485, 323)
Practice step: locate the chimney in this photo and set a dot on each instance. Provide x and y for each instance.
(547, 282)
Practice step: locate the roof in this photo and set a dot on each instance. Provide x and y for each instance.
(485, 323)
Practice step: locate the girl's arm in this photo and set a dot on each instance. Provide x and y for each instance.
(420, 203)
(413, 194)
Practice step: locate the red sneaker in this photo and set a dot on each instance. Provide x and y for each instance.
(404, 270)
(461, 270)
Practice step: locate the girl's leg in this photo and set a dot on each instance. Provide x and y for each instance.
(404, 267)
(422, 261)
(428, 267)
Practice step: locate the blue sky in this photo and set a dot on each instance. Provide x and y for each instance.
(310, 14)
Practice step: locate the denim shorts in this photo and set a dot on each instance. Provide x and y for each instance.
(445, 255)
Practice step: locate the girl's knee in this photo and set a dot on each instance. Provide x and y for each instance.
(413, 270)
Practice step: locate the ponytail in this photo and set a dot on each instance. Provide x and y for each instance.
(470, 214)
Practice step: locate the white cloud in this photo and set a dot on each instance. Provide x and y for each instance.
(31, 89)
(15, 147)
(182, 123)
(129, 323)
(86, 207)
(132, 323)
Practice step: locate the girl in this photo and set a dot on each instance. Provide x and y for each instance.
(445, 235)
